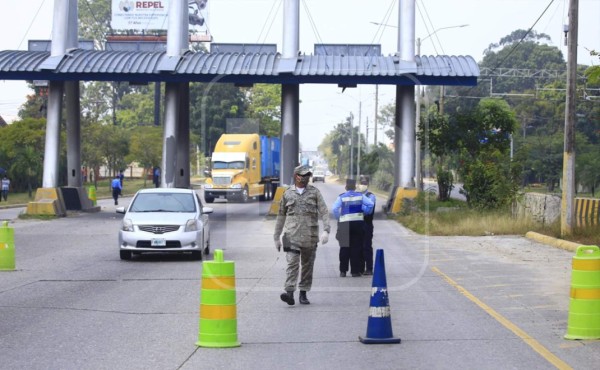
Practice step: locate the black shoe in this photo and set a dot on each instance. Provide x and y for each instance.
(288, 297)
(342, 274)
(358, 274)
(302, 298)
(368, 272)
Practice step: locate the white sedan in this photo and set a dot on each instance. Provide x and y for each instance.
(165, 220)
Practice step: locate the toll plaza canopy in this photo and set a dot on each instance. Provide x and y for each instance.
(237, 67)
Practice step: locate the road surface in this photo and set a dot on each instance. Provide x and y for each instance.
(494, 302)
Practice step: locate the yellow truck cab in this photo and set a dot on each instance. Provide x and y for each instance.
(243, 166)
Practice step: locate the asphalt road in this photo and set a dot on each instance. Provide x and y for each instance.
(493, 302)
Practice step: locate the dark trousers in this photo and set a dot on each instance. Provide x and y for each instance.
(350, 235)
(115, 194)
(368, 247)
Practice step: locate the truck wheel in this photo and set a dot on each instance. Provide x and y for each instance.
(244, 195)
(267, 192)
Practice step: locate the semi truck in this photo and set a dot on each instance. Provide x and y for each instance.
(243, 166)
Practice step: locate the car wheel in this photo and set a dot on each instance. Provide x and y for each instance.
(197, 255)
(125, 255)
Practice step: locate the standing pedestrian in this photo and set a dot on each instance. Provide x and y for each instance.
(156, 177)
(363, 187)
(116, 188)
(349, 209)
(5, 187)
(121, 178)
(297, 230)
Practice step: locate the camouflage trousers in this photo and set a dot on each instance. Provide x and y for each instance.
(301, 261)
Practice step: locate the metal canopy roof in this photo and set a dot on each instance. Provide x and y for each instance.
(240, 68)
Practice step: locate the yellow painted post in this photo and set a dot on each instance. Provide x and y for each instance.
(7, 247)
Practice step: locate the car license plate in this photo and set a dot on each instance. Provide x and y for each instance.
(158, 242)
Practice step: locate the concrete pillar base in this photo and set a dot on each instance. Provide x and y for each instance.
(398, 194)
(48, 201)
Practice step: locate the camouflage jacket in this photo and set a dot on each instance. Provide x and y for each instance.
(299, 215)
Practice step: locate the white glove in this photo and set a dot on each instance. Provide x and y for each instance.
(324, 237)
(278, 245)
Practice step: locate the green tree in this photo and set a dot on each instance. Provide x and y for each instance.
(481, 139)
(17, 142)
(146, 147)
(211, 105)
(264, 104)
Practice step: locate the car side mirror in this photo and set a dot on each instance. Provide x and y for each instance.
(207, 210)
(120, 210)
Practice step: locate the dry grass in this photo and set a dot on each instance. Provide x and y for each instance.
(431, 217)
(463, 221)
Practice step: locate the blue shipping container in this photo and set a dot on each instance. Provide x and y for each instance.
(270, 148)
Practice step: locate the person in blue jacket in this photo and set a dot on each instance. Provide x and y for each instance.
(116, 188)
(363, 187)
(349, 209)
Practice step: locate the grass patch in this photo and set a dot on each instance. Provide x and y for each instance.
(103, 190)
(468, 222)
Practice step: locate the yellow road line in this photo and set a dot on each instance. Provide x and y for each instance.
(537, 346)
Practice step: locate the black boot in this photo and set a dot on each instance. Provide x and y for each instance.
(302, 298)
(288, 297)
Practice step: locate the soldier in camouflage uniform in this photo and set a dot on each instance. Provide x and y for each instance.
(297, 225)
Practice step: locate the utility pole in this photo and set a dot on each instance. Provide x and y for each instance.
(568, 189)
(376, 113)
(359, 127)
(351, 174)
(418, 182)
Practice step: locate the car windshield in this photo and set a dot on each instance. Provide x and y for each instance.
(163, 202)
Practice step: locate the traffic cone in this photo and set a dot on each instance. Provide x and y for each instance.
(7, 247)
(379, 326)
(218, 316)
(584, 302)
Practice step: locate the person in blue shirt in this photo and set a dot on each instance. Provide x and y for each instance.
(116, 188)
(349, 209)
(363, 187)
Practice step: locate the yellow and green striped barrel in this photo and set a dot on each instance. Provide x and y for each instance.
(92, 194)
(218, 313)
(7, 247)
(584, 304)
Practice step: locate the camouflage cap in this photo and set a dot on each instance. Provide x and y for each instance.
(302, 170)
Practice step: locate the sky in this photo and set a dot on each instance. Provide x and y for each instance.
(340, 22)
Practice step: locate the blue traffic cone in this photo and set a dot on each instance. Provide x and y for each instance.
(379, 326)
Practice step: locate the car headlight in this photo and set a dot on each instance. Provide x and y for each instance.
(127, 225)
(236, 186)
(208, 186)
(191, 225)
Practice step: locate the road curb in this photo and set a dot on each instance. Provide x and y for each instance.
(554, 242)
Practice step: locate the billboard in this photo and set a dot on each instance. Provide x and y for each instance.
(139, 15)
(152, 15)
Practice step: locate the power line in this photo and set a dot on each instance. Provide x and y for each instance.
(31, 24)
